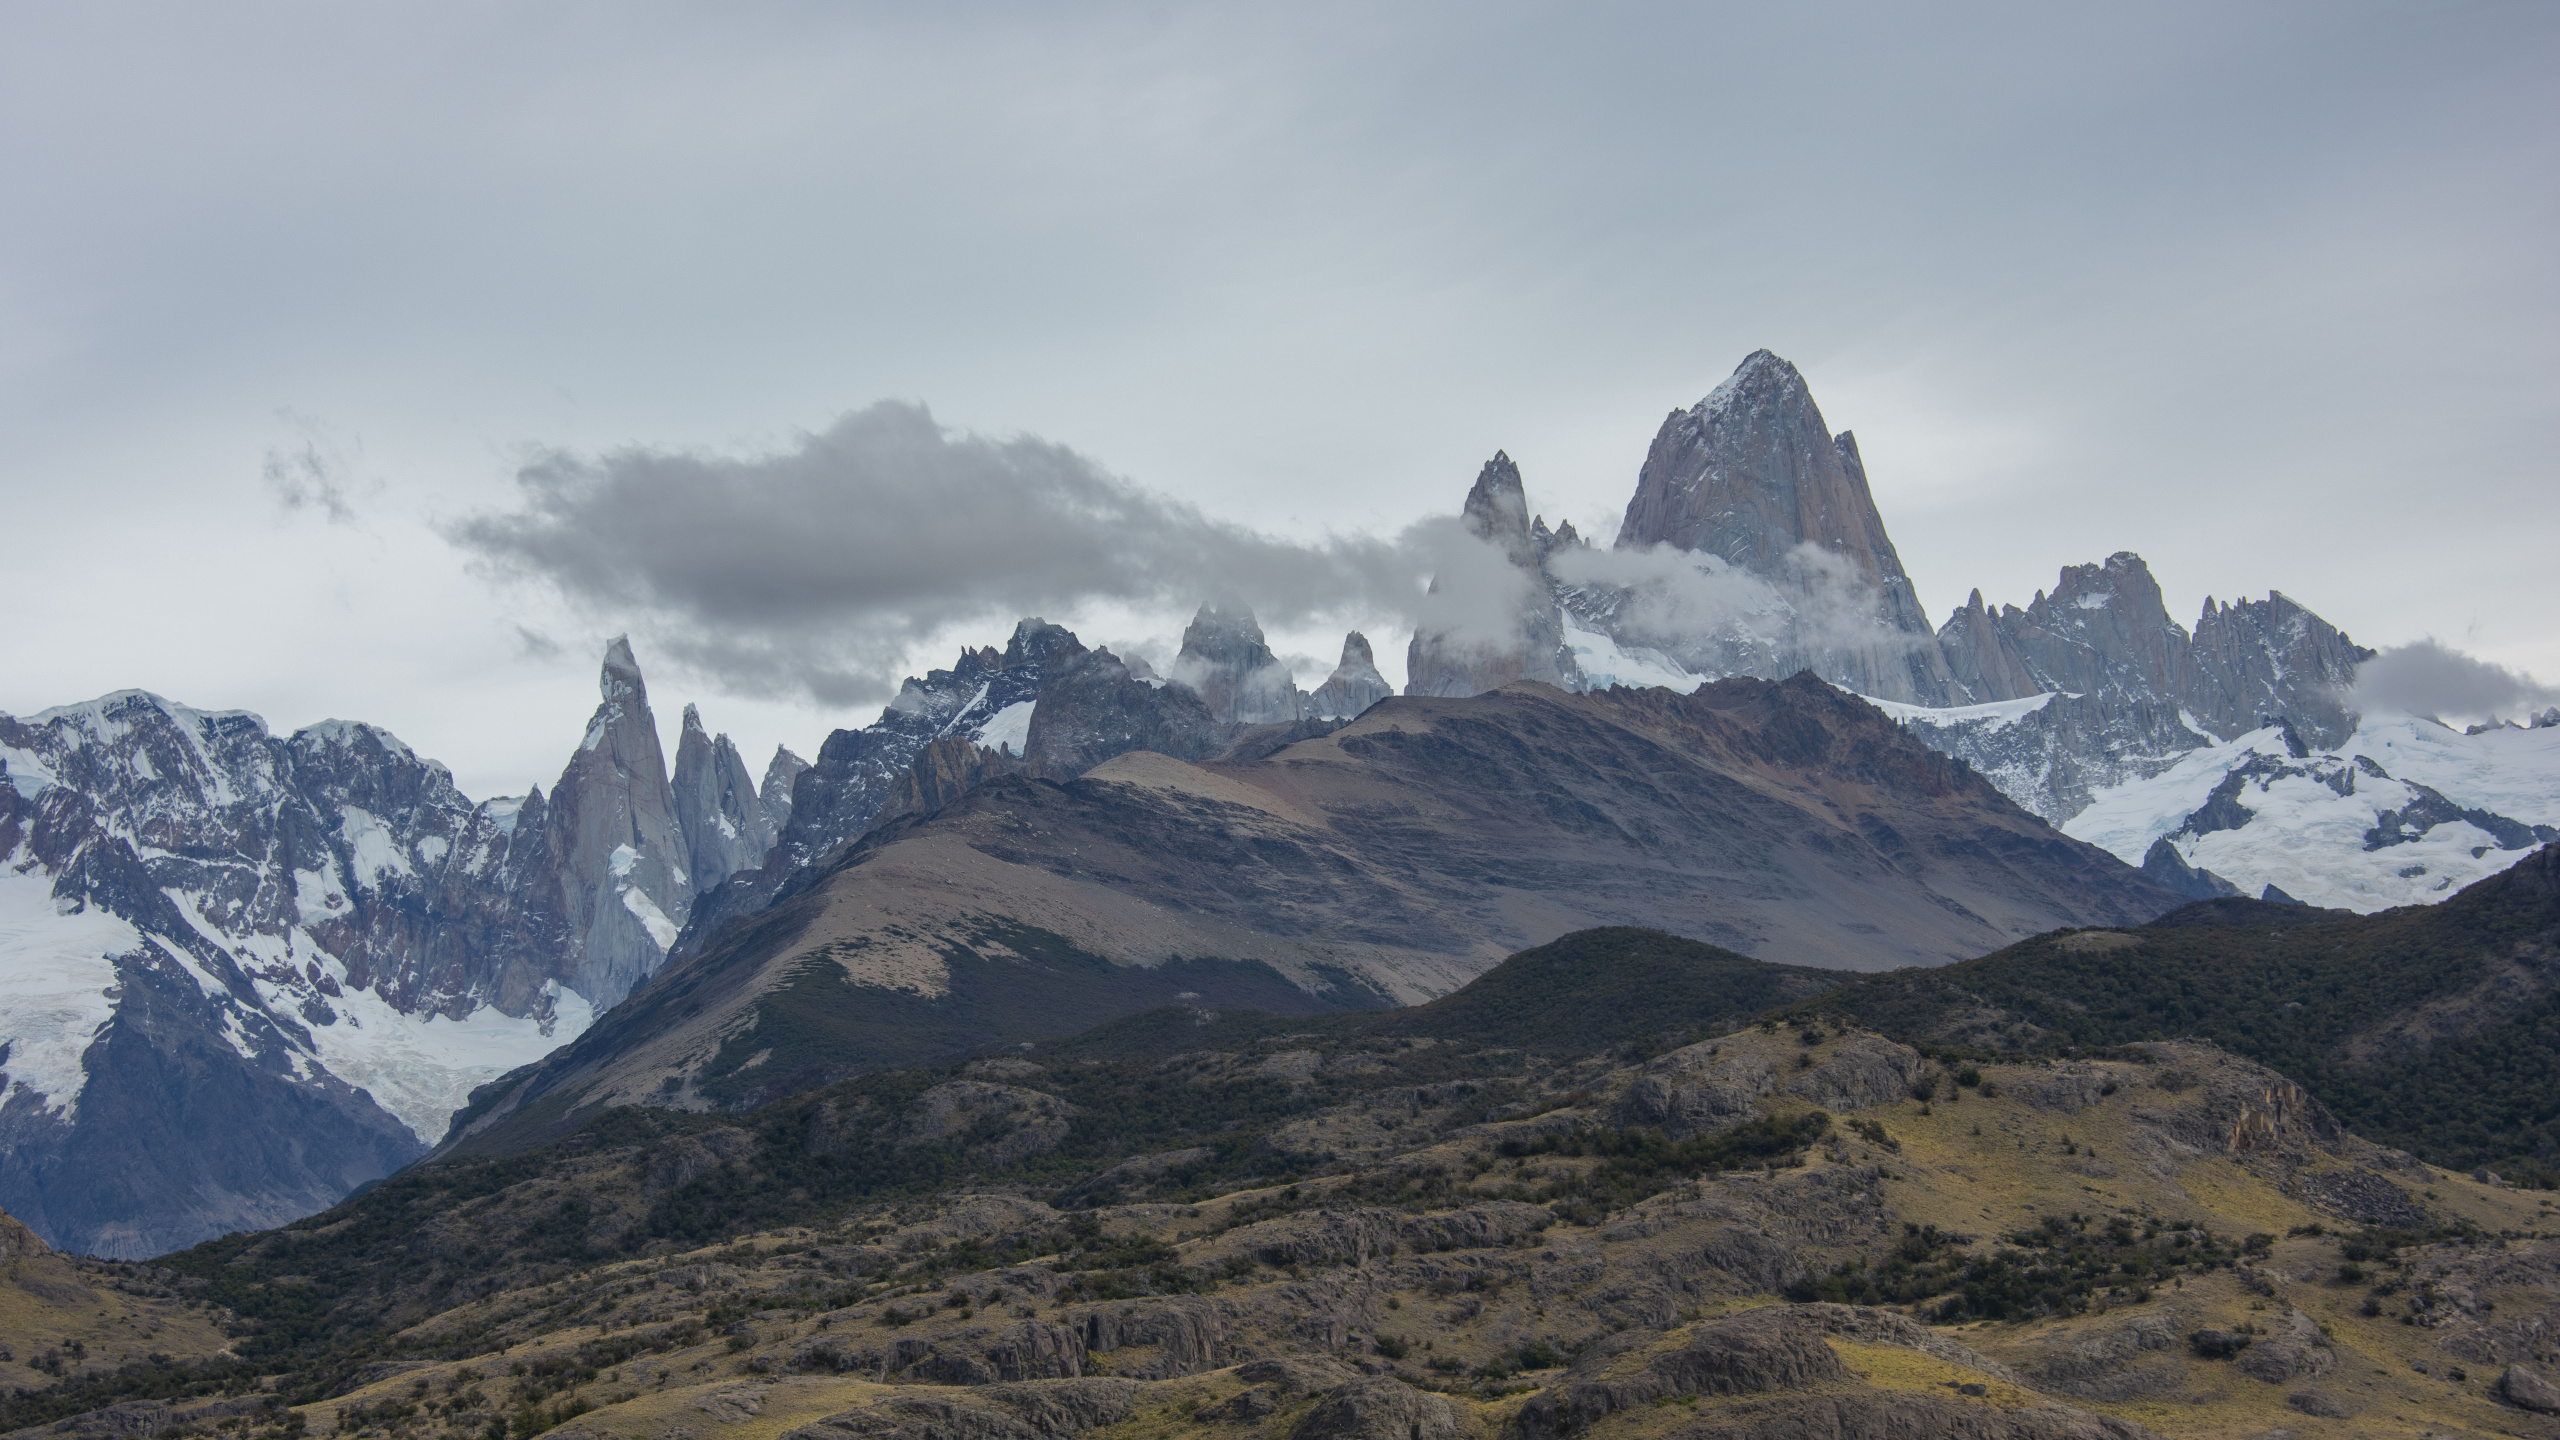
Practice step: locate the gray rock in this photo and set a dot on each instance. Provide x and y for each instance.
(2316, 1401)
(1225, 660)
(1378, 1410)
(2523, 1388)
(1354, 685)
(1488, 621)
(725, 826)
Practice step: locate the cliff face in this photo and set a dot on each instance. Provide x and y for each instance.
(725, 825)
(1354, 685)
(1751, 477)
(1499, 620)
(625, 874)
(1226, 661)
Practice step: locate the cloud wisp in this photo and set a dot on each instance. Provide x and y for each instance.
(2431, 678)
(815, 569)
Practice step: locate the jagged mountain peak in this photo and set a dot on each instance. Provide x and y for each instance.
(619, 664)
(1036, 642)
(1354, 685)
(1227, 661)
(1497, 507)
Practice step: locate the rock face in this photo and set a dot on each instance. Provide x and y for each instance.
(626, 879)
(1226, 662)
(725, 825)
(1751, 478)
(773, 797)
(1494, 620)
(241, 974)
(1354, 685)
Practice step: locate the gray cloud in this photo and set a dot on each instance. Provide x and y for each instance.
(818, 568)
(2430, 677)
(320, 473)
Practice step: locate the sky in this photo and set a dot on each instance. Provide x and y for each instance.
(308, 312)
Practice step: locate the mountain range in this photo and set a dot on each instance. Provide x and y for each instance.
(247, 973)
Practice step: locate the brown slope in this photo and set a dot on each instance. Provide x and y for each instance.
(1390, 860)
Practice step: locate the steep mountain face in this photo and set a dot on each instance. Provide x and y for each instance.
(2131, 691)
(1354, 685)
(241, 974)
(1498, 622)
(1751, 478)
(724, 823)
(626, 880)
(773, 797)
(1044, 705)
(1228, 664)
(1386, 861)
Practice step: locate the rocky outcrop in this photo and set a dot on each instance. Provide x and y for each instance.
(1378, 1410)
(1354, 685)
(1026, 1410)
(723, 821)
(1093, 708)
(1226, 662)
(1492, 619)
(1751, 1353)
(773, 797)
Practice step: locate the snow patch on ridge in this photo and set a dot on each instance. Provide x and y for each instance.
(1010, 727)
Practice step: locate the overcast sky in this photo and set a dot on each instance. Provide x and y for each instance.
(297, 303)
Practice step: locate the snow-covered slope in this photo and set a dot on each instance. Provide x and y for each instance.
(2403, 812)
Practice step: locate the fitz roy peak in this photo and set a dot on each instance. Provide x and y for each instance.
(241, 974)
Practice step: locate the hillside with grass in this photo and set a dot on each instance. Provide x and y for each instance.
(1625, 1185)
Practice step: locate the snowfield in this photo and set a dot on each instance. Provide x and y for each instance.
(2315, 825)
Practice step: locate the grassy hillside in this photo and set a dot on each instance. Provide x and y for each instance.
(2432, 1028)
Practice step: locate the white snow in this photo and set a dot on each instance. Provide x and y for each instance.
(432, 848)
(1995, 715)
(55, 974)
(376, 849)
(622, 859)
(1009, 728)
(423, 1068)
(316, 897)
(2307, 839)
(503, 812)
(1605, 662)
(652, 919)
